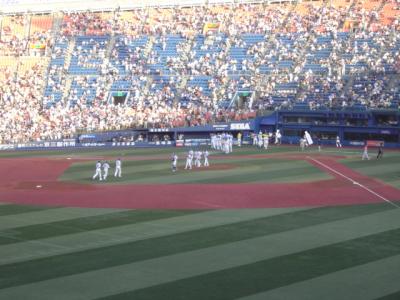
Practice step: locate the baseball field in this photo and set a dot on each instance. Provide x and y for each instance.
(256, 224)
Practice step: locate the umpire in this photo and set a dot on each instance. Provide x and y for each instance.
(380, 151)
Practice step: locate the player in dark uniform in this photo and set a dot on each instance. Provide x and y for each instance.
(380, 151)
(319, 143)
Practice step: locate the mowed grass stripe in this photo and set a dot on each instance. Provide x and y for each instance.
(13, 209)
(276, 272)
(59, 214)
(178, 275)
(365, 282)
(394, 296)
(46, 230)
(134, 232)
(106, 257)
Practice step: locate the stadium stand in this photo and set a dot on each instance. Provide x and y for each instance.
(165, 67)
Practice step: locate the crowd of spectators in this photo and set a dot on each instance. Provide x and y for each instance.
(356, 69)
(15, 40)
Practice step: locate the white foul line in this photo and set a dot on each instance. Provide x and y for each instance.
(355, 182)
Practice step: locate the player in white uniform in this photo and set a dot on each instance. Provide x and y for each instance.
(230, 143)
(255, 142)
(260, 139)
(191, 157)
(118, 166)
(266, 141)
(365, 153)
(206, 164)
(219, 142)
(174, 162)
(213, 141)
(106, 166)
(302, 144)
(197, 161)
(98, 171)
(189, 160)
(338, 144)
(200, 155)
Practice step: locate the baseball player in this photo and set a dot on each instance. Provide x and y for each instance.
(206, 164)
(226, 143)
(230, 142)
(255, 142)
(260, 139)
(338, 144)
(189, 160)
(174, 162)
(365, 153)
(278, 137)
(106, 166)
(239, 139)
(98, 171)
(302, 144)
(380, 151)
(118, 166)
(197, 161)
(191, 157)
(265, 140)
(219, 141)
(213, 141)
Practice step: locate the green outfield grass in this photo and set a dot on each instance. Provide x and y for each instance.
(348, 252)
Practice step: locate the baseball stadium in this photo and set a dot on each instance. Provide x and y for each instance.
(200, 149)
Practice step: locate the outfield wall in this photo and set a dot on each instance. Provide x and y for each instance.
(353, 127)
